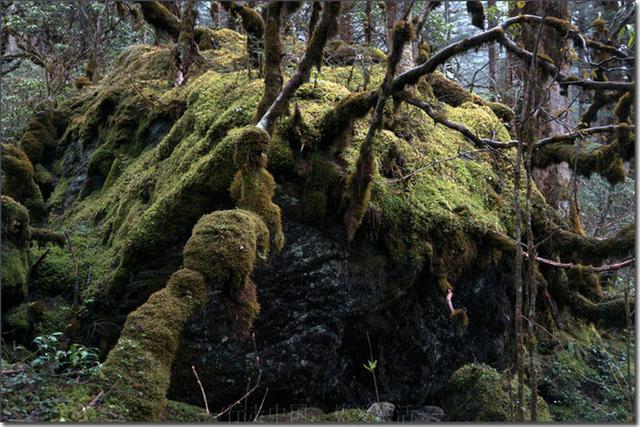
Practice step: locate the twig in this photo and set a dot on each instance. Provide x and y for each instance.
(96, 399)
(35, 264)
(204, 395)
(76, 272)
(261, 403)
(237, 402)
(254, 388)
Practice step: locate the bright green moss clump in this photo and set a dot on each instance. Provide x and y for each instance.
(253, 186)
(477, 392)
(18, 182)
(138, 368)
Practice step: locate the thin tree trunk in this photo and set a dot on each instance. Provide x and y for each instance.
(493, 49)
(526, 131)
(554, 181)
(390, 19)
(368, 24)
(345, 32)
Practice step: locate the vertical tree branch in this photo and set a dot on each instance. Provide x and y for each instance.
(327, 28)
(358, 193)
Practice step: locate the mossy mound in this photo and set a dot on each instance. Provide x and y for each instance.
(225, 247)
(15, 252)
(138, 368)
(477, 392)
(584, 376)
(143, 196)
(18, 180)
(40, 317)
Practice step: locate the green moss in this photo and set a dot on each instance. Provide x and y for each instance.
(477, 392)
(138, 368)
(15, 251)
(450, 92)
(576, 376)
(503, 112)
(253, 186)
(19, 319)
(236, 240)
(178, 412)
(18, 180)
(281, 159)
(101, 161)
(40, 134)
(36, 318)
(54, 275)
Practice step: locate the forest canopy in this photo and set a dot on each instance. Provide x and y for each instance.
(374, 210)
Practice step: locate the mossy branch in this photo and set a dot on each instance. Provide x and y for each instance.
(562, 79)
(160, 18)
(497, 33)
(253, 25)
(326, 28)
(439, 118)
(358, 193)
(581, 133)
(273, 53)
(606, 160)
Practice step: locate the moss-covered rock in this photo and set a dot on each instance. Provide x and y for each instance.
(138, 368)
(18, 180)
(36, 318)
(477, 392)
(237, 240)
(178, 412)
(15, 252)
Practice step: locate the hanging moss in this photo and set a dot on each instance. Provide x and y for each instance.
(476, 10)
(253, 186)
(503, 112)
(253, 25)
(39, 138)
(338, 122)
(604, 160)
(600, 99)
(273, 52)
(316, 8)
(623, 108)
(165, 24)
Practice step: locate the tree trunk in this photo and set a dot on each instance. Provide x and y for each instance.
(391, 11)
(554, 181)
(345, 32)
(493, 49)
(368, 23)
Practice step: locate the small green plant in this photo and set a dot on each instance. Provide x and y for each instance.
(77, 358)
(371, 366)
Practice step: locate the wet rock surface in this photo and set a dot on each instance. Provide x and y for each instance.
(319, 300)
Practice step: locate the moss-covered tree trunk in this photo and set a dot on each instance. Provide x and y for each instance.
(553, 181)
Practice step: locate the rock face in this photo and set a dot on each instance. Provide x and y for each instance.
(318, 302)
